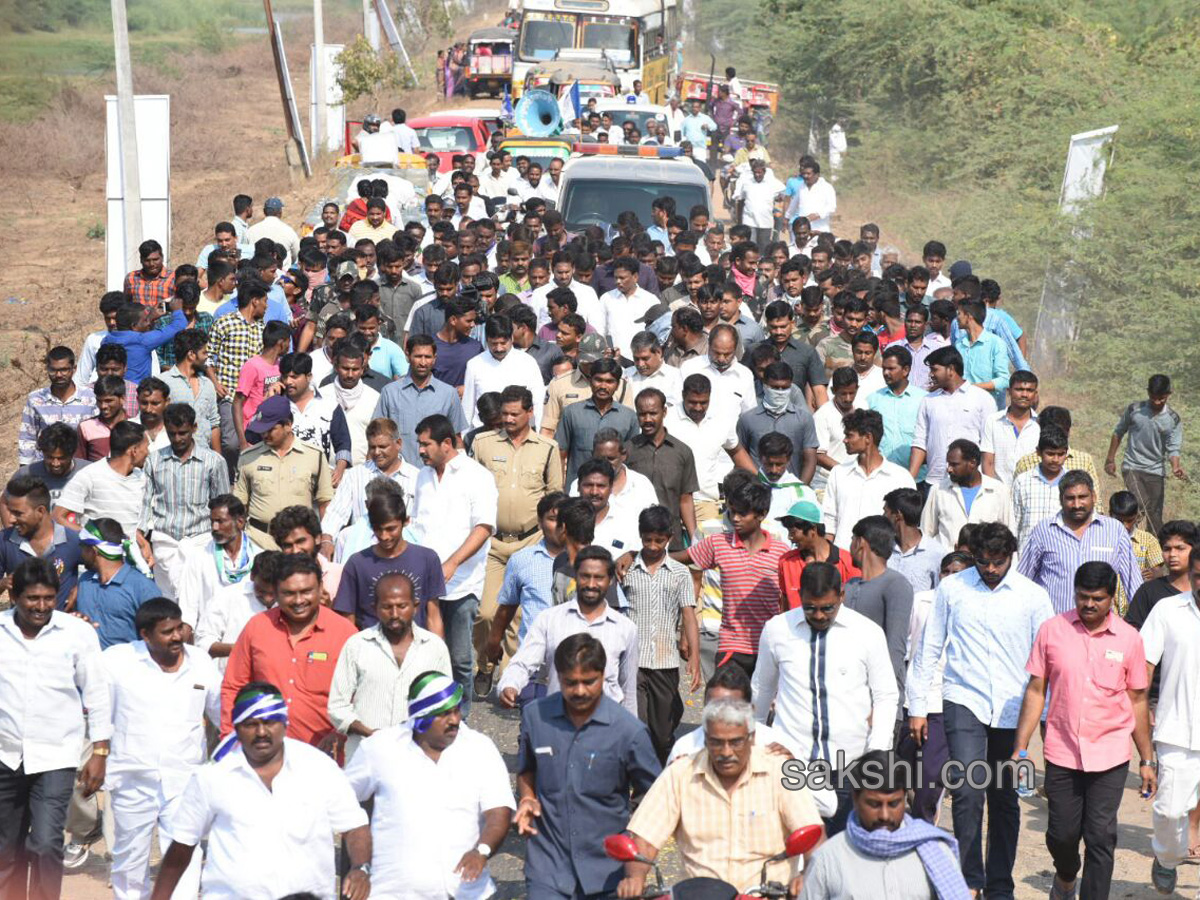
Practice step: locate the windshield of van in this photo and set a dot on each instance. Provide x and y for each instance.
(599, 201)
(446, 138)
(541, 38)
(619, 41)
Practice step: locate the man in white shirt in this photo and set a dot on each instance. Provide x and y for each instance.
(631, 491)
(625, 306)
(384, 460)
(162, 692)
(1170, 635)
(964, 495)
(273, 227)
(828, 420)
(502, 365)
(454, 514)
(228, 610)
(269, 807)
(1013, 431)
(732, 382)
(850, 707)
(224, 562)
(406, 138)
(813, 197)
(755, 198)
(616, 528)
(856, 488)
(562, 272)
(51, 681)
(649, 369)
(709, 428)
(442, 801)
(675, 117)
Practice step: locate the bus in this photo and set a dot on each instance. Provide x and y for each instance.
(637, 37)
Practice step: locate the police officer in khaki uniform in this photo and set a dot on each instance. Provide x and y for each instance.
(527, 467)
(279, 472)
(574, 386)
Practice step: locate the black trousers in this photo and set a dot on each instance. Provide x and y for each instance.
(33, 813)
(1084, 804)
(660, 706)
(746, 660)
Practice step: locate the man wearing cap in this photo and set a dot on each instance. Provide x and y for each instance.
(345, 276)
(273, 227)
(806, 530)
(279, 472)
(269, 807)
(572, 387)
(442, 801)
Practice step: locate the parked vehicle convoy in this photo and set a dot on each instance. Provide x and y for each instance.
(489, 61)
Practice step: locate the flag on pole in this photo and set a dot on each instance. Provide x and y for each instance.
(506, 105)
(569, 105)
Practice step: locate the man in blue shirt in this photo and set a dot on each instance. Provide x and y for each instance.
(417, 395)
(112, 590)
(898, 403)
(136, 333)
(580, 755)
(985, 359)
(696, 127)
(35, 533)
(982, 689)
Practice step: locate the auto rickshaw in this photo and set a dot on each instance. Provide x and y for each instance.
(489, 61)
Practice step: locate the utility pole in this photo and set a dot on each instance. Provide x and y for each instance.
(131, 185)
(319, 76)
(370, 25)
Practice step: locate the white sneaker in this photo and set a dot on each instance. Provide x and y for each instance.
(75, 855)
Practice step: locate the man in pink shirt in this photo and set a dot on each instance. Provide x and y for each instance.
(1094, 666)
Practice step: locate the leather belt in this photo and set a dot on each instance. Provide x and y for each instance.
(259, 524)
(510, 537)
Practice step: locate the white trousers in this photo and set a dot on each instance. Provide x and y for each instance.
(1178, 794)
(138, 805)
(170, 556)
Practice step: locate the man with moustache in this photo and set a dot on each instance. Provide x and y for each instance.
(296, 643)
(163, 690)
(379, 664)
(442, 801)
(580, 757)
(269, 808)
(222, 564)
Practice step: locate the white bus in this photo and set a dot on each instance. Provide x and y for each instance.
(637, 36)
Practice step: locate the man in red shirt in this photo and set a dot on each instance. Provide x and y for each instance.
(150, 285)
(806, 530)
(749, 563)
(295, 645)
(1094, 666)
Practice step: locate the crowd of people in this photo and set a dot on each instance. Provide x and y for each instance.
(292, 510)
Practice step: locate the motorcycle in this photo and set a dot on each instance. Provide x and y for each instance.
(623, 848)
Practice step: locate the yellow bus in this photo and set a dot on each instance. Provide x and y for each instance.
(636, 36)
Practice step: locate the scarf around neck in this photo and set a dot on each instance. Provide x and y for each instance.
(915, 834)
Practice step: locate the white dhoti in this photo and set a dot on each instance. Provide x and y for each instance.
(170, 556)
(1178, 794)
(140, 801)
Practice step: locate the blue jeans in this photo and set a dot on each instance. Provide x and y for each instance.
(970, 740)
(33, 813)
(458, 621)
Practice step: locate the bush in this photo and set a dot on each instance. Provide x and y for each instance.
(364, 72)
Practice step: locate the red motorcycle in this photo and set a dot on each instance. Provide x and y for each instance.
(623, 848)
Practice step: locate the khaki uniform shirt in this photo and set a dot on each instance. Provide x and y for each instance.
(571, 387)
(267, 482)
(524, 475)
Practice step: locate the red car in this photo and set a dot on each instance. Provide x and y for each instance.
(450, 133)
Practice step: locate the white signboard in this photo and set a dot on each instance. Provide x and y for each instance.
(1087, 159)
(153, 124)
(335, 109)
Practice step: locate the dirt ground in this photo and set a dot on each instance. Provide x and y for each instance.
(52, 275)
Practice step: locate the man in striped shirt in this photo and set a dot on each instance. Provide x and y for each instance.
(1077, 534)
(181, 480)
(61, 401)
(235, 338)
(748, 560)
(1035, 493)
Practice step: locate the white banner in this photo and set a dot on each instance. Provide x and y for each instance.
(335, 109)
(152, 113)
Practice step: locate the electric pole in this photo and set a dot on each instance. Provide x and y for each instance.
(131, 190)
(319, 76)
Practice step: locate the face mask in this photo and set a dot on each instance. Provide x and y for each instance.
(775, 400)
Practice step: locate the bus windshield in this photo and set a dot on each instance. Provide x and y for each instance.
(618, 40)
(542, 38)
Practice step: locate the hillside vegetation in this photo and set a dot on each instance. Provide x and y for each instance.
(959, 116)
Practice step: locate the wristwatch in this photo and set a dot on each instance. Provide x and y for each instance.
(100, 751)
(365, 868)
(483, 850)
(1147, 762)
